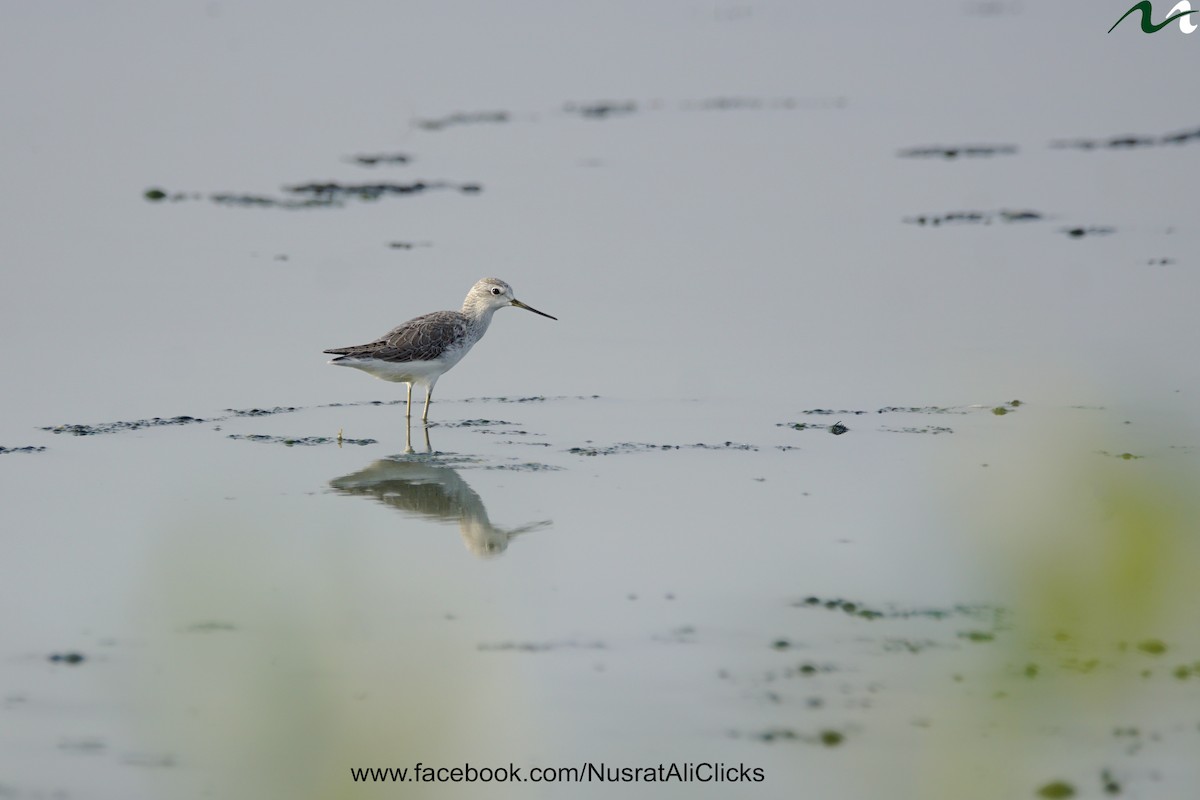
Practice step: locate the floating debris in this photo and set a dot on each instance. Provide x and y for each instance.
(305, 441)
(1129, 141)
(957, 151)
(933, 430)
(1003, 215)
(837, 429)
(1094, 230)
(532, 399)
(376, 159)
(156, 422)
(602, 109)
(261, 412)
(462, 118)
(524, 466)
(408, 245)
(328, 194)
(892, 410)
(373, 191)
(856, 609)
(263, 201)
(71, 658)
(119, 427)
(27, 449)
(642, 447)
(474, 423)
(1122, 456)
(827, 737)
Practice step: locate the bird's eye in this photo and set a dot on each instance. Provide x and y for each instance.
(497, 290)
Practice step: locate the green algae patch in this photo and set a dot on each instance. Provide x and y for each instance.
(1056, 789)
(831, 738)
(826, 737)
(1122, 456)
(1154, 647)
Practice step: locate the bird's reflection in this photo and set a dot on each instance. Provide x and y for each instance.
(421, 485)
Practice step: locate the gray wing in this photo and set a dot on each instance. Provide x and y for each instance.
(422, 338)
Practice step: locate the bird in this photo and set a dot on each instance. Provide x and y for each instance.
(423, 349)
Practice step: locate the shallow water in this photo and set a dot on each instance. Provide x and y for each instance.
(630, 536)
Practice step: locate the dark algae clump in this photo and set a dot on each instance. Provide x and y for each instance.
(72, 658)
(27, 449)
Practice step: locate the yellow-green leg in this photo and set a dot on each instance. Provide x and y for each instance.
(428, 394)
(408, 405)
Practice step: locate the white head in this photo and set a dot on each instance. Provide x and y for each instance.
(490, 294)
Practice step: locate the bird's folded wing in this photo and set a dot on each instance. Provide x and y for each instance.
(424, 338)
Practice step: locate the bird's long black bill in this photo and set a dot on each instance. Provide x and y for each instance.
(519, 304)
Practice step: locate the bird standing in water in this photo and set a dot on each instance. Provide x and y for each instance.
(421, 350)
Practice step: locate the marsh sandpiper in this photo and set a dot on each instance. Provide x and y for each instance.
(421, 350)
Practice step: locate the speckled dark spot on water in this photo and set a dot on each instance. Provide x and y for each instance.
(1109, 782)
(1093, 230)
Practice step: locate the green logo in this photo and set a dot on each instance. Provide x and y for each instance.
(1179, 12)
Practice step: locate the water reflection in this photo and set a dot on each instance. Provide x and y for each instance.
(418, 485)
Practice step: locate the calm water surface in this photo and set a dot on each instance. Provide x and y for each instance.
(628, 538)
